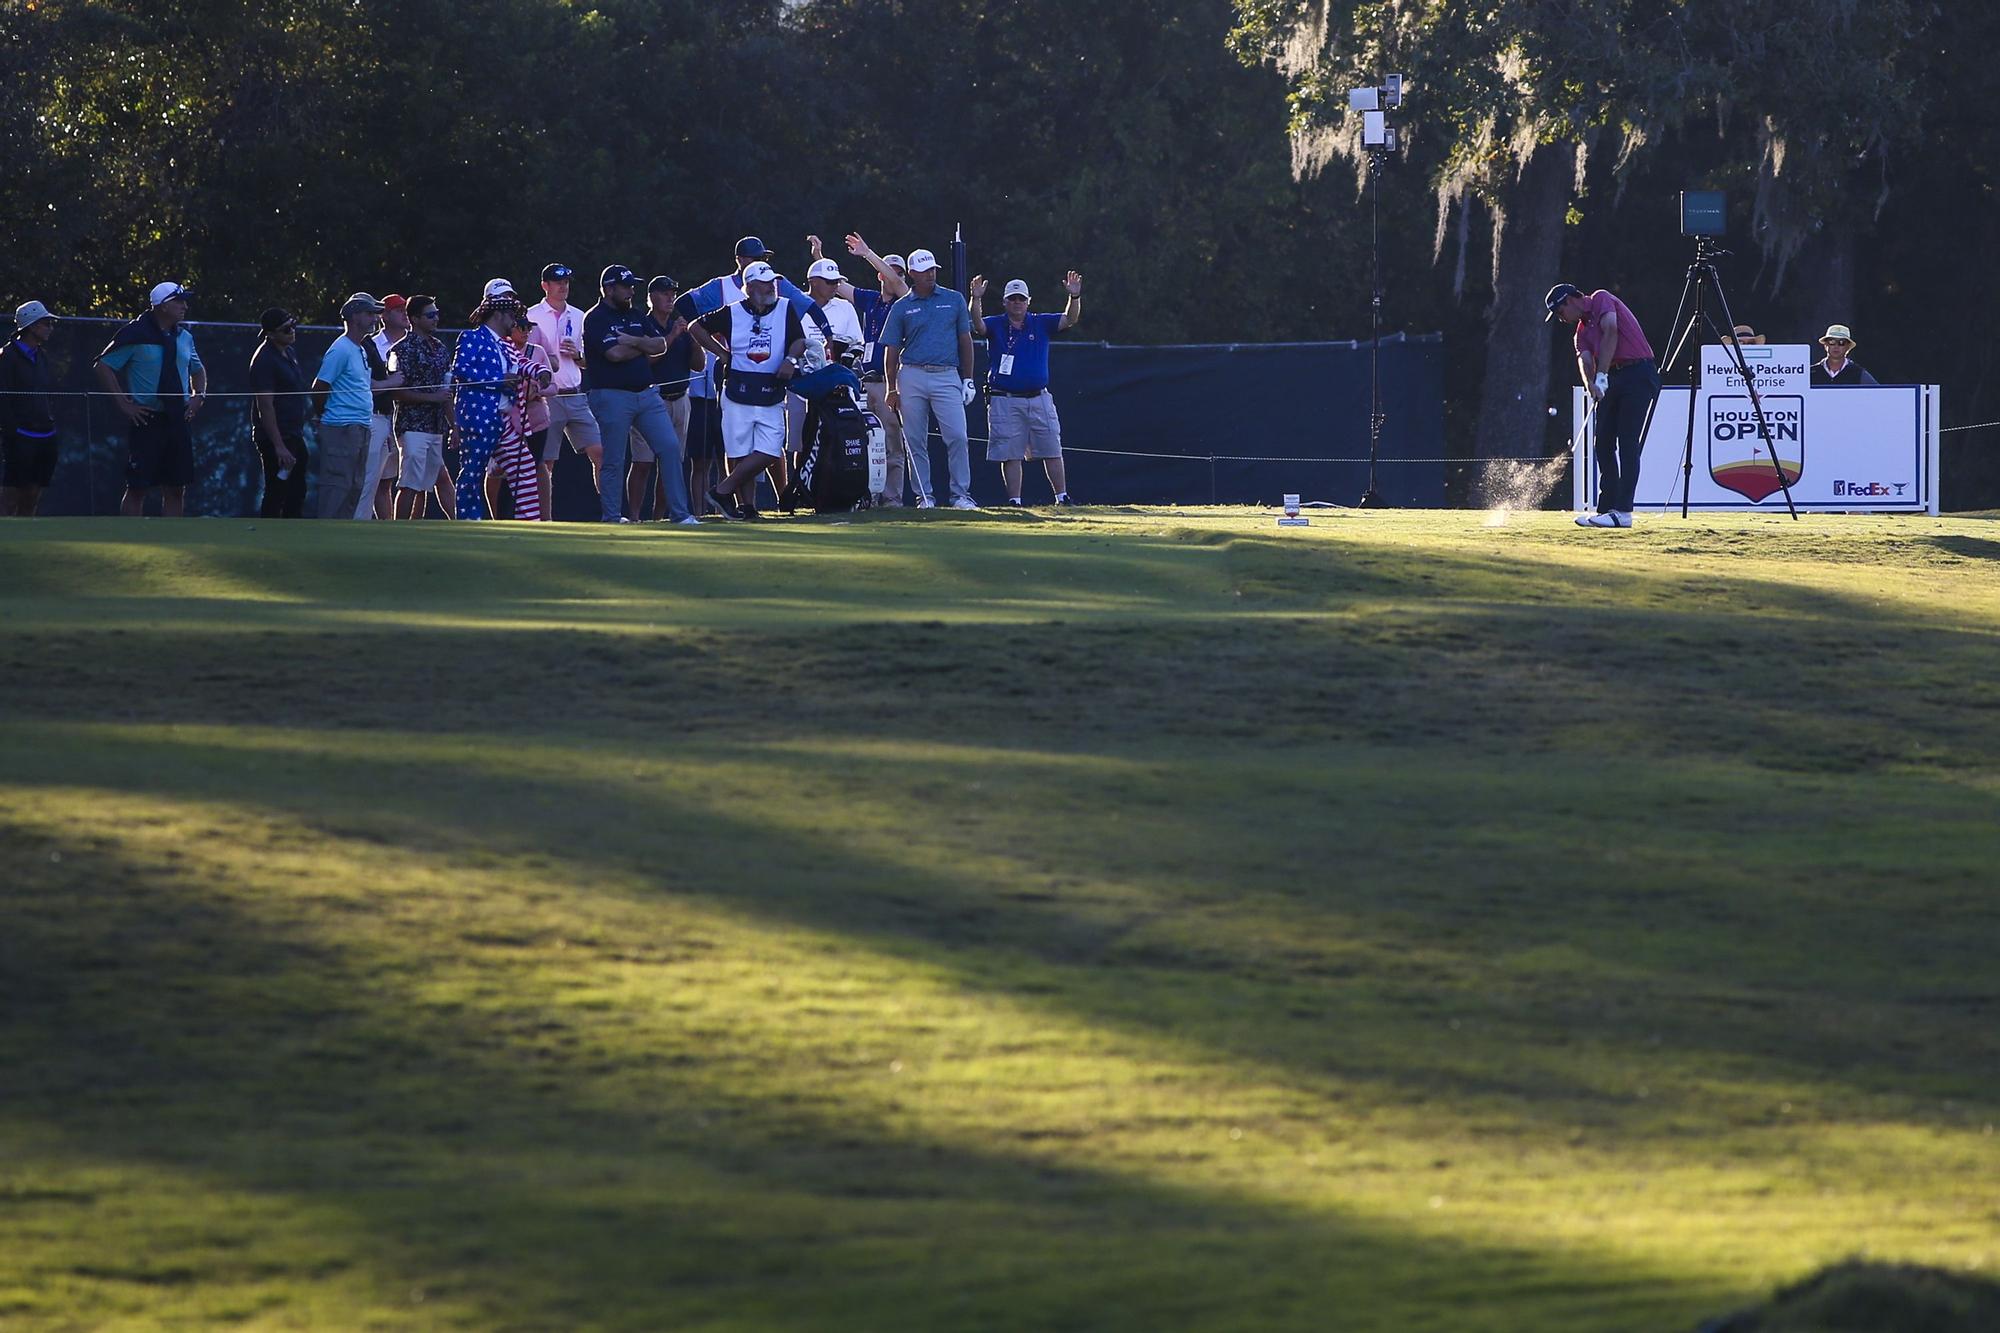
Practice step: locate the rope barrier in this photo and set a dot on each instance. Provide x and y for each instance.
(498, 386)
(1276, 458)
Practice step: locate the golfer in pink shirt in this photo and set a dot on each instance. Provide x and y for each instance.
(1616, 363)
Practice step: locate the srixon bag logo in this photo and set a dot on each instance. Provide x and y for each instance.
(1738, 457)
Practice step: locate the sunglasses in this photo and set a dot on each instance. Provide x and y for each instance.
(431, 313)
(1836, 342)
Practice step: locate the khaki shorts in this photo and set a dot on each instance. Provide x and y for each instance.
(569, 414)
(1022, 428)
(423, 456)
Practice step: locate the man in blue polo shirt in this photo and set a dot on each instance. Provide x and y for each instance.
(165, 384)
(1020, 413)
(927, 363)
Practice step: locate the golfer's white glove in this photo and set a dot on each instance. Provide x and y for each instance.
(1603, 383)
(971, 392)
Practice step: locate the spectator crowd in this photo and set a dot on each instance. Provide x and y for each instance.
(683, 402)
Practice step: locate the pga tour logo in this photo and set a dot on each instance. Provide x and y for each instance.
(1739, 459)
(1895, 488)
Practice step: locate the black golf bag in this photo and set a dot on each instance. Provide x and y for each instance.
(844, 462)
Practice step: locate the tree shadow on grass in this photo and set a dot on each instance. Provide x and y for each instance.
(1972, 548)
(1339, 749)
(1405, 696)
(1225, 921)
(502, 1168)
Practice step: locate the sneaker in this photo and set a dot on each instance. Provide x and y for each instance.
(1609, 519)
(1064, 500)
(750, 514)
(724, 504)
(689, 522)
(620, 519)
(964, 502)
(1015, 501)
(926, 503)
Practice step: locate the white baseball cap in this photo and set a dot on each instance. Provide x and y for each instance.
(922, 261)
(824, 268)
(895, 261)
(164, 292)
(1015, 287)
(498, 287)
(759, 272)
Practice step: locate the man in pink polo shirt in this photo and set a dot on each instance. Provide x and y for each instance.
(1616, 363)
(558, 327)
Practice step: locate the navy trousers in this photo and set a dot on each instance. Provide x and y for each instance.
(1621, 416)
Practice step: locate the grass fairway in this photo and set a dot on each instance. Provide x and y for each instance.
(1110, 920)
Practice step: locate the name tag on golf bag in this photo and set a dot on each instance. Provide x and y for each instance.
(878, 454)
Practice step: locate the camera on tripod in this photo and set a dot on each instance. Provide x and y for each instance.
(1704, 213)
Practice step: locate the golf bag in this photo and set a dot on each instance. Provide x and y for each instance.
(845, 461)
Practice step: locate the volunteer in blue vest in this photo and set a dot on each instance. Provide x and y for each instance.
(1020, 412)
(872, 308)
(619, 337)
(758, 341)
(927, 363)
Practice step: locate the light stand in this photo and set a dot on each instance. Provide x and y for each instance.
(1378, 140)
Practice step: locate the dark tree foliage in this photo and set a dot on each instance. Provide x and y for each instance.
(1173, 150)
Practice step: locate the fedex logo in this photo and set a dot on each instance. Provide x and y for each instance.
(1895, 488)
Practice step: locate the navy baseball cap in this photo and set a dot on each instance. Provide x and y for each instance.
(663, 283)
(750, 248)
(617, 274)
(1559, 293)
(555, 272)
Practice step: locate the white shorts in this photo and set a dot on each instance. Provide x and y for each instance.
(423, 456)
(750, 430)
(378, 464)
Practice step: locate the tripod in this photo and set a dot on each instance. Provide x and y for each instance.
(1702, 279)
(1371, 498)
